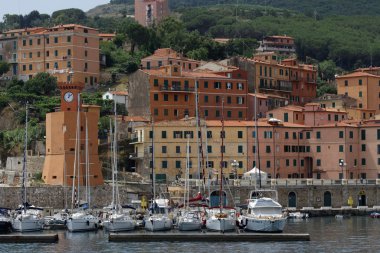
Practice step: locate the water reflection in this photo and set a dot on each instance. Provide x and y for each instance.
(357, 234)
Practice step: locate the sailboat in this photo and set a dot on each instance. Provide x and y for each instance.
(118, 219)
(27, 218)
(158, 218)
(221, 218)
(5, 221)
(189, 218)
(80, 219)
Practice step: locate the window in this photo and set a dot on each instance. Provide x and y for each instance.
(222, 149)
(47, 65)
(351, 148)
(318, 149)
(164, 149)
(360, 82)
(351, 134)
(155, 111)
(30, 67)
(287, 163)
(24, 67)
(166, 97)
(178, 164)
(229, 86)
(85, 53)
(217, 85)
(286, 135)
(336, 117)
(307, 135)
(47, 40)
(253, 134)
(155, 97)
(267, 134)
(217, 113)
(217, 98)
(24, 43)
(294, 135)
(30, 55)
(378, 149)
(85, 40)
(378, 134)
(286, 117)
(69, 64)
(267, 149)
(240, 134)
(228, 100)
(253, 149)
(229, 114)
(240, 86)
(205, 98)
(360, 94)
(318, 135)
(178, 149)
(341, 134)
(240, 114)
(345, 82)
(55, 39)
(240, 149)
(268, 164)
(363, 134)
(164, 164)
(205, 84)
(209, 149)
(47, 53)
(319, 162)
(163, 134)
(177, 134)
(363, 161)
(56, 53)
(240, 100)
(364, 148)
(206, 113)
(155, 82)
(340, 148)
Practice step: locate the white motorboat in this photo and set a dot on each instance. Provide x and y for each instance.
(264, 215)
(158, 219)
(57, 220)
(221, 219)
(5, 221)
(82, 221)
(298, 215)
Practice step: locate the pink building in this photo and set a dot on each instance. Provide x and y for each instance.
(148, 12)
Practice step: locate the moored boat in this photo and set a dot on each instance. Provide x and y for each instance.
(158, 219)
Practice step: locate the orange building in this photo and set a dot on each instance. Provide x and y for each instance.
(148, 12)
(61, 130)
(362, 86)
(69, 52)
(172, 94)
(287, 78)
(279, 44)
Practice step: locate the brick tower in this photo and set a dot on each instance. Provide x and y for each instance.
(61, 129)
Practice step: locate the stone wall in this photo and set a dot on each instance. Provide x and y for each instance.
(306, 196)
(54, 196)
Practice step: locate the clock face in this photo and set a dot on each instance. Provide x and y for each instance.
(69, 96)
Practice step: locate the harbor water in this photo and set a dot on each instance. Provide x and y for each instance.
(328, 234)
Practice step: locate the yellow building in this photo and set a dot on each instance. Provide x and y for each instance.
(362, 86)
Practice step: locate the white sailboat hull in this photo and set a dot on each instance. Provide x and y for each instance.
(119, 225)
(158, 224)
(188, 225)
(27, 225)
(271, 224)
(221, 224)
(81, 222)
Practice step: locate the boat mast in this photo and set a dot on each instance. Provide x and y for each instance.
(76, 158)
(257, 161)
(187, 189)
(197, 128)
(115, 150)
(24, 179)
(87, 167)
(221, 162)
(153, 179)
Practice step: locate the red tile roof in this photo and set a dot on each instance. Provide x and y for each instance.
(356, 74)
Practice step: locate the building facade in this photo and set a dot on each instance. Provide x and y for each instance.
(148, 12)
(283, 150)
(279, 44)
(68, 52)
(172, 94)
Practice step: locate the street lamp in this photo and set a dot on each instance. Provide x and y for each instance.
(235, 165)
(342, 164)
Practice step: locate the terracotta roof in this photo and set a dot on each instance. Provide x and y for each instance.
(356, 74)
(107, 35)
(279, 37)
(25, 30)
(71, 25)
(160, 72)
(290, 108)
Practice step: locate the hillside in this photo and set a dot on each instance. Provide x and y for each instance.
(318, 7)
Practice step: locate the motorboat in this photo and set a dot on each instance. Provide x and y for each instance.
(158, 218)
(264, 215)
(298, 215)
(57, 220)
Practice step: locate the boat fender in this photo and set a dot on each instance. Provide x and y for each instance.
(88, 223)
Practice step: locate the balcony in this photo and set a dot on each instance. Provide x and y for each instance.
(136, 140)
(276, 88)
(134, 156)
(176, 89)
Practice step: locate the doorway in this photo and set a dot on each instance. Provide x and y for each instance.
(292, 199)
(327, 198)
(362, 199)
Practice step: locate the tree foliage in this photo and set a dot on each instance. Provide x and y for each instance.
(41, 84)
(4, 67)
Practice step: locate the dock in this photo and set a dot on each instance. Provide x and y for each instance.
(207, 237)
(43, 238)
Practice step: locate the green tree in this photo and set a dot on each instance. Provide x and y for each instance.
(4, 67)
(41, 84)
(327, 70)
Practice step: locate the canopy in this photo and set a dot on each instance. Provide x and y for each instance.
(255, 173)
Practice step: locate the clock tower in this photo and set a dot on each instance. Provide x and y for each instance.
(69, 95)
(72, 141)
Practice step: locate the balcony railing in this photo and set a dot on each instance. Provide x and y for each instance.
(275, 87)
(136, 140)
(177, 89)
(134, 156)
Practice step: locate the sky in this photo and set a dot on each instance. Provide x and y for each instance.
(45, 6)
